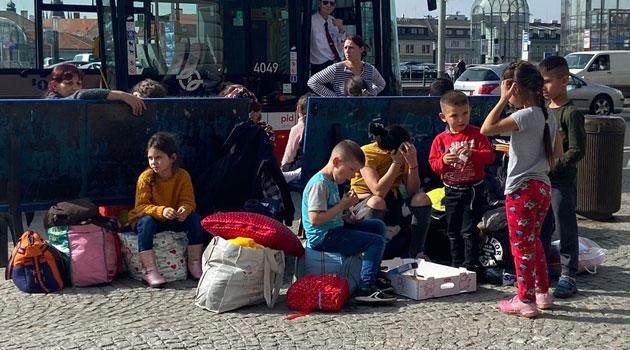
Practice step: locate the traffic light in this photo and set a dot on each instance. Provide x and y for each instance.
(432, 5)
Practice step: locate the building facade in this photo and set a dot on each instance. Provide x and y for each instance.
(544, 40)
(595, 25)
(497, 28)
(417, 39)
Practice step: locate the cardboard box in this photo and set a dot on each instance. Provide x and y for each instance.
(430, 280)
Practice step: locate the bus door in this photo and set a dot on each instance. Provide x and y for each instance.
(196, 46)
(37, 35)
(373, 20)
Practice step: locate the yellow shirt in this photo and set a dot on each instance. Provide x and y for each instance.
(152, 198)
(379, 160)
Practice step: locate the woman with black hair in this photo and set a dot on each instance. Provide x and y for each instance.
(336, 74)
(390, 180)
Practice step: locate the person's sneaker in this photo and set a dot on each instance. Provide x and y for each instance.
(374, 296)
(384, 285)
(516, 307)
(544, 301)
(566, 288)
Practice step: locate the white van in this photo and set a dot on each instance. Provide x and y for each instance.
(601, 67)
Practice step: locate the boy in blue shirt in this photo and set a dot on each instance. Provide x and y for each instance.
(328, 230)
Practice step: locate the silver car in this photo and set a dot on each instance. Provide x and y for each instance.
(588, 97)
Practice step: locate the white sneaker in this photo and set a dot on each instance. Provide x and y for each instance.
(391, 232)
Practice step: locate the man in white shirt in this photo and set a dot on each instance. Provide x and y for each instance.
(327, 36)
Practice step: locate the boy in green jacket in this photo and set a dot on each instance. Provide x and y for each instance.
(570, 121)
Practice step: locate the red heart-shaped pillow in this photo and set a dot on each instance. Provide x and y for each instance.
(262, 229)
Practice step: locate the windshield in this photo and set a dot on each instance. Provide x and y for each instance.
(478, 74)
(578, 61)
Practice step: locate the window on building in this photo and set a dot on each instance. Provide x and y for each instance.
(409, 48)
(459, 32)
(455, 43)
(426, 48)
(449, 32)
(414, 30)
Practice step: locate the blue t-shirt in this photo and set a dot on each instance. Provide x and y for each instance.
(320, 194)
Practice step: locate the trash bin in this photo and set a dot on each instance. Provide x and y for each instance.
(600, 172)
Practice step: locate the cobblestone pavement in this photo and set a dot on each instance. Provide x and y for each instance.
(128, 315)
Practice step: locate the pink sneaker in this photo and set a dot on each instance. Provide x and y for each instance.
(517, 307)
(544, 301)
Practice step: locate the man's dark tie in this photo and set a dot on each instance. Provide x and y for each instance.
(331, 43)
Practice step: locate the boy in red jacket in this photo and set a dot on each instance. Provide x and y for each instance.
(459, 155)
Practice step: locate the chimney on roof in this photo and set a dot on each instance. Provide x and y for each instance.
(24, 13)
(555, 21)
(537, 20)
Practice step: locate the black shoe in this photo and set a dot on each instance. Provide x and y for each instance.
(374, 297)
(384, 284)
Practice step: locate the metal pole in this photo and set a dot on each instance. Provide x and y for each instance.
(441, 37)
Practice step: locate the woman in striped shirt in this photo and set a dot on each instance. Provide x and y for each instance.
(337, 74)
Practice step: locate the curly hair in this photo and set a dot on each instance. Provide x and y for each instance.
(149, 88)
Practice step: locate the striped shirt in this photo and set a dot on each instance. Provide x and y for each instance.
(337, 74)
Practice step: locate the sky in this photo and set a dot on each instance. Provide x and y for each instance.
(547, 10)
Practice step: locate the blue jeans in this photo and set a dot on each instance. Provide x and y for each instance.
(147, 227)
(561, 220)
(366, 237)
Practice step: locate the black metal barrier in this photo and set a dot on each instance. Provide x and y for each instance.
(54, 150)
(333, 119)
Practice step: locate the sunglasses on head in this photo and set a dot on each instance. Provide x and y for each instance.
(331, 3)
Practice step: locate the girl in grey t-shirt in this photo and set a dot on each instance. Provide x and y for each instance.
(528, 190)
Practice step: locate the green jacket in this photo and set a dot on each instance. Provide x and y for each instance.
(570, 124)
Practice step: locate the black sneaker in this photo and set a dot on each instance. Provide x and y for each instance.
(384, 284)
(374, 297)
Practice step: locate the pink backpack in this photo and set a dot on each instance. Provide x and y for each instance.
(94, 252)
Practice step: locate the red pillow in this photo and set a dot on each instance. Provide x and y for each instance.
(262, 229)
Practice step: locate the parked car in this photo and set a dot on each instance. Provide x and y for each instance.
(587, 97)
(84, 57)
(601, 67)
(414, 70)
(91, 65)
(74, 63)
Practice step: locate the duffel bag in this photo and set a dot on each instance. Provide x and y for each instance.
(93, 252)
(170, 253)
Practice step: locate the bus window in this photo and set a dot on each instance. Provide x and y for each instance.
(367, 29)
(70, 39)
(17, 38)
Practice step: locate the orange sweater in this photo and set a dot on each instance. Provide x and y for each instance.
(152, 198)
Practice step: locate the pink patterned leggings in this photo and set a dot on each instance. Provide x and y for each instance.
(526, 209)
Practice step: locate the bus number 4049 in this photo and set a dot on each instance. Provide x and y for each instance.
(266, 67)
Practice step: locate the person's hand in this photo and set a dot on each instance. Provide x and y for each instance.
(465, 150)
(182, 213)
(349, 199)
(397, 157)
(507, 89)
(137, 105)
(450, 158)
(169, 213)
(339, 24)
(408, 151)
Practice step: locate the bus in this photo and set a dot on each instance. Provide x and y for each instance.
(193, 46)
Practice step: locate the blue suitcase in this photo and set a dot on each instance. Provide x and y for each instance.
(314, 262)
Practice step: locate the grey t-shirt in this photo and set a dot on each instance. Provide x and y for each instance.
(527, 158)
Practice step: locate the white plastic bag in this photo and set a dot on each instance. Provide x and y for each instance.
(235, 276)
(591, 255)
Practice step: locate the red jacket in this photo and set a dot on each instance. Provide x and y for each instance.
(461, 173)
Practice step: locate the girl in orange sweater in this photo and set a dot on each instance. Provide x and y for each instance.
(165, 201)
